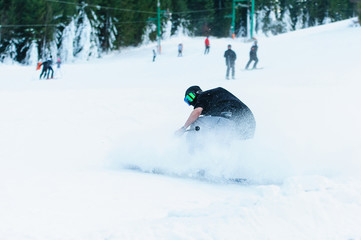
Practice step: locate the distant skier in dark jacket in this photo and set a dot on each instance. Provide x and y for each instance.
(154, 55)
(218, 110)
(231, 57)
(44, 71)
(253, 56)
(50, 68)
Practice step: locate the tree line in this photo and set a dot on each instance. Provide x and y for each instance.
(121, 23)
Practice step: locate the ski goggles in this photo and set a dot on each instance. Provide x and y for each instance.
(189, 98)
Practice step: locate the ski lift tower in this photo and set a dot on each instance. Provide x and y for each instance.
(234, 15)
(158, 26)
(158, 20)
(164, 13)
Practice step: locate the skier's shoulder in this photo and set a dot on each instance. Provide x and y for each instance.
(229, 52)
(216, 90)
(222, 91)
(219, 89)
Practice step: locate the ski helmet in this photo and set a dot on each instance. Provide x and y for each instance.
(191, 94)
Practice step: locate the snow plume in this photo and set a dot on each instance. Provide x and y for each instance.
(272, 157)
(214, 160)
(305, 135)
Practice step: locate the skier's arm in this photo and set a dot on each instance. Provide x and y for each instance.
(191, 119)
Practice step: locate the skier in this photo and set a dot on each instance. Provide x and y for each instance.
(253, 55)
(231, 57)
(154, 55)
(58, 63)
(180, 50)
(206, 42)
(220, 111)
(44, 71)
(50, 69)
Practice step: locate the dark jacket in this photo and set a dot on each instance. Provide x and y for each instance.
(46, 64)
(253, 52)
(220, 102)
(230, 56)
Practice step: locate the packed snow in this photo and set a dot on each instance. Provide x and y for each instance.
(67, 144)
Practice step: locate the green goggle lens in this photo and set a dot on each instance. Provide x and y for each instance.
(189, 98)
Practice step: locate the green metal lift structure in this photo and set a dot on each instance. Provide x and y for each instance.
(234, 5)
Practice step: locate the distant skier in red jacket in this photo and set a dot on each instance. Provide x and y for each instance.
(206, 42)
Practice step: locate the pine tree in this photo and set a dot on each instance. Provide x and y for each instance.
(113, 24)
(340, 9)
(201, 16)
(178, 10)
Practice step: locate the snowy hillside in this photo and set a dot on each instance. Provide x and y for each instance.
(65, 144)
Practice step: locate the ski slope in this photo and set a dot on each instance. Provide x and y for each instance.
(65, 144)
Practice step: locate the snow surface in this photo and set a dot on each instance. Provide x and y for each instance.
(65, 143)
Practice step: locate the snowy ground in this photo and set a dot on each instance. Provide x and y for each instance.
(64, 144)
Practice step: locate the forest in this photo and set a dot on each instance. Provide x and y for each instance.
(35, 29)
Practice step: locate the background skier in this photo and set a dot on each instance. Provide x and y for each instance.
(44, 71)
(50, 68)
(180, 50)
(206, 43)
(253, 55)
(154, 55)
(58, 63)
(231, 57)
